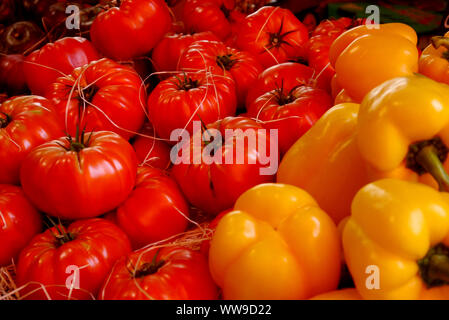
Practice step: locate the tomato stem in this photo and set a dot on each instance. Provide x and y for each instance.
(226, 62)
(4, 122)
(150, 268)
(427, 157)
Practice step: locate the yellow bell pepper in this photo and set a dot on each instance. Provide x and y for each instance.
(364, 57)
(326, 161)
(276, 244)
(343, 294)
(434, 60)
(403, 130)
(396, 241)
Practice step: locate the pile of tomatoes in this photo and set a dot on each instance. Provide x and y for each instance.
(91, 200)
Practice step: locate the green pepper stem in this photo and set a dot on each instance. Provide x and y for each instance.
(427, 157)
(438, 41)
(439, 267)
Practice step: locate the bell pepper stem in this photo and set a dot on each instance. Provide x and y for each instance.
(439, 41)
(428, 159)
(439, 267)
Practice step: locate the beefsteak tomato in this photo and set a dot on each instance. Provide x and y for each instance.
(166, 54)
(286, 75)
(216, 57)
(170, 273)
(70, 263)
(155, 210)
(150, 150)
(19, 222)
(292, 112)
(200, 96)
(132, 29)
(25, 123)
(102, 95)
(274, 35)
(42, 67)
(80, 178)
(234, 164)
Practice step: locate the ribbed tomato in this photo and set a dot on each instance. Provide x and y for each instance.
(178, 101)
(42, 67)
(102, 95)
(286, 75)
(208, 15)
(80, 178)
(70, 263)
(25, 123)
(132, 29)
(166, 54)
(214, 184)
(170, 273)
(292, 112)
(19, 222)
(150, 150)
(274, 35)
(216, 57)
(155, 210)
(13, 79)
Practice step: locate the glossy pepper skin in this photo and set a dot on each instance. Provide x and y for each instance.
(326, 161)
(403, 130)
(434, 60)
(364, 57)
(402, 228)
(267, 247)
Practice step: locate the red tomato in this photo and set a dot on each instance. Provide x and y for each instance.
(131, 30)
(208, 15)
(155, 210)
(205, 244)
(170, 273)
(274, 35)
(217, 58)
(213, 186)
(13, 77)
(19, 222)
(70, 263)
(178, 101)
(167, 53)
(292, 113)
(150, 150)
(319, 44)
(285, 75)
(25, 123)
(83, 178)
(102, 95)
(42, 67)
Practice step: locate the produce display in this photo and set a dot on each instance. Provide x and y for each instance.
(221, 150)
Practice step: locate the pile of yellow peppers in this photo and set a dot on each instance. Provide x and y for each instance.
(364, 190)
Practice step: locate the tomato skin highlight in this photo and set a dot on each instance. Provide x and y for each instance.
(42, 67)
(102, 95)
(28, 121)
(274, 35)
(286, 75)
(179, 100)
(215, 187)
(75, 185)
(183, 275)
(96, 246)
(292, 113)
(168, 51)
(155, 210)
(19, 222)
(118, 33)
(222, 60)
